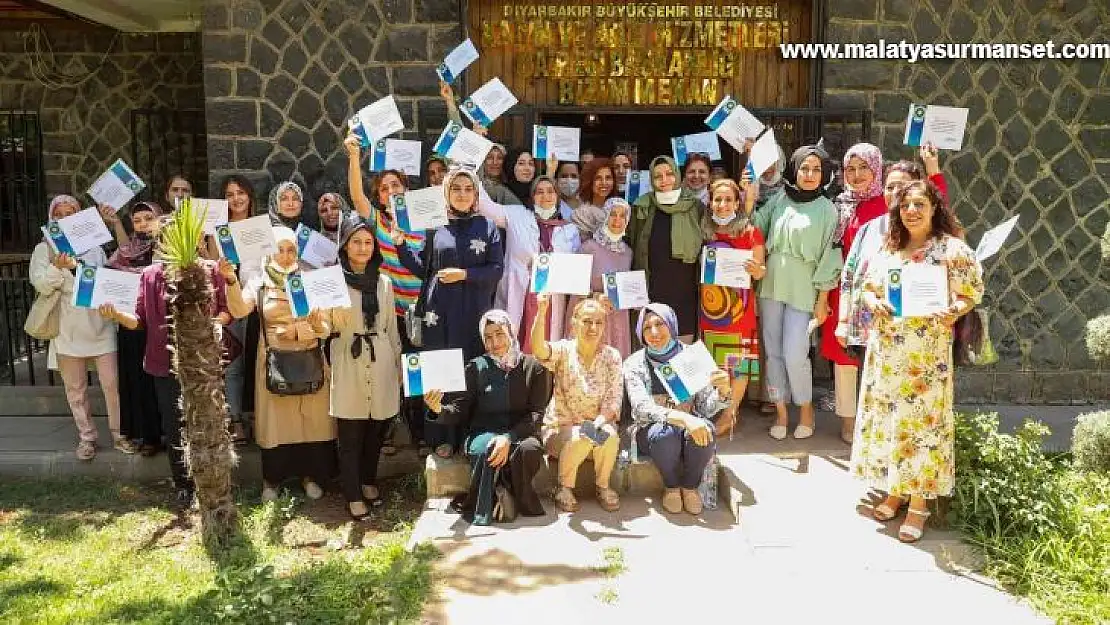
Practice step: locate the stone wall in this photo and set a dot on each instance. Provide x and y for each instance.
(1038, 145)
(282, 77)
(85, 115)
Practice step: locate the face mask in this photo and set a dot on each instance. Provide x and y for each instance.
(613, 236)
(546, 213)
(568, 186)
(723, 221)
(667, 198)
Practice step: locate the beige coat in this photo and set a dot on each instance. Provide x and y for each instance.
(282, 420)
(365, 389)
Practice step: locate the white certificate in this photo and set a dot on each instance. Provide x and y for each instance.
(456, 61)
(462, 145)
(315, 248)
(994, 238)
(488, 102)
(626, 289)
(435, 370)
(764, 154)
(215, 213)
(636, 183)
(78, 233)
(734, 123)
(562, 273)
(917, 289)
(96, 286)
(724, 266)
(687, 373)
(319, 289)
(700, 143)
(400, 154)
(419, 210)
(246, 240)
(558, 141)
(380, 119)
(116, 186)
(943, 126)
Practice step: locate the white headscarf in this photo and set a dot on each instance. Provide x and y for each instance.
(511, 359)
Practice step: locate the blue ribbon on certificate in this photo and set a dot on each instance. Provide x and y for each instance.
(377, 159)
(414, 375)
(86, 280)
(227, 244)
(678, 144)
(611, 290)
(894, 291)
(476, 113)
(61, 243)
(298, 299)
(543, 268)
(709, 269)
(670, 379)
(721, 113)
(632, 190)
(447, 139)
(751, 172)
(445, 73)
(304, 235)
(120, 171)
(401, 212)
(916, 125)
(355, 124)
(541, 143)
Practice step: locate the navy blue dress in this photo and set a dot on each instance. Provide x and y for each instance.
(452, 311)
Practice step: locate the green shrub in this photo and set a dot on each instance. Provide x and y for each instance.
(1090, 443)
(1098, 329)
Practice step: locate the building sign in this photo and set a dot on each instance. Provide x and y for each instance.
(636, 53)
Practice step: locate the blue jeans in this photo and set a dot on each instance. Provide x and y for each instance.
(786, 345)
(680, 461)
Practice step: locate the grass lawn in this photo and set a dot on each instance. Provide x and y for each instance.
(98, 551)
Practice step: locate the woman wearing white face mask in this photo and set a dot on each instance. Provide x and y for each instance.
(611, 254)
(567, 183)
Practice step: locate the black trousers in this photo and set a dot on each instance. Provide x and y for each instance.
(360, 447)
(168, 393)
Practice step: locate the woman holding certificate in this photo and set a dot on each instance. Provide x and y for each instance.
(666, 243)
(499, 413)
(678, 436)
(803, 265)
(295, 432)
(461, 264)
(598, 185)
(83, 337)
(726, 315)
(923, 280)
(239, 375)
(611, 255)
(363, 354)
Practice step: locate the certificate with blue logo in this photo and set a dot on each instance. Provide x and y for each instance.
(420, 210)
(434, 370)
(637, 183)
(558, 141)
(626, 289)
(117, 186)
(319, 289)
(377, 121)
(568, 274)
(456, 61)
(462, 145)
(489, 102)
(96, 286)
(78, 233)
(917, 289)
(701, 143)
(943, 126)
(687, 373)
(315, 248)
(246, 240)
(724, 266)
(734, 123)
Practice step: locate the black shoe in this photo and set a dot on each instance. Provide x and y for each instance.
(184, 498)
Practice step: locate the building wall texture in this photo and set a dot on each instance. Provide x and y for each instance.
(1037, 145)
(95, 78)
(282, 77)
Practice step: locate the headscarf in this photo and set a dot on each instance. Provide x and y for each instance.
(138, 252)
(600, 234)
(451, 175)
(685, 215)
(434, 158)
(58, 201)
(365, 282)
(276, 218)
(790, 175)
(482, 168)
(557, 216)
(849, 199)
(511, 359)
(274, 271)
(344, 209)
(519, 188)
(667, 314)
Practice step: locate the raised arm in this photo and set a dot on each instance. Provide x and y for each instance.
(354, 177)
(114, 223)
(541, 349)
(448, 95)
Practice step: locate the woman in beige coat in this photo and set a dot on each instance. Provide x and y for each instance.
(296, 432)
(365, 357)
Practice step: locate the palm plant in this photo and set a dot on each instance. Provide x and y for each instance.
(196, 359)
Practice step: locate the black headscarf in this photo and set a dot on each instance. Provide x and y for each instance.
(520, 189)
(790, 176)
(365, 282)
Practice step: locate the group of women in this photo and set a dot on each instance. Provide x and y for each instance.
(555, 375)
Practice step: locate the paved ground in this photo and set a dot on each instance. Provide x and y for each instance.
(805, 549)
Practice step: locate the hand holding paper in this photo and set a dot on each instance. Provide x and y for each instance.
(562, 273)
(687, 373)
(117, 186)
(96, 286)
(462, 145)
(319, 289)
(440, 370)
(78, 233)
(457, 61)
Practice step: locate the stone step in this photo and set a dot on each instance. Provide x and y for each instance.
(39, 401)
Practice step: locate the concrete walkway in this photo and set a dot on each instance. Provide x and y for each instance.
(805, 550)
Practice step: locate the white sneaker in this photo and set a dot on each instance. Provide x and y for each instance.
(313, 490)
(803, 431)
(777, 432)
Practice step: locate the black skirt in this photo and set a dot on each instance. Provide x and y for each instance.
(316, 461)
(139, 416)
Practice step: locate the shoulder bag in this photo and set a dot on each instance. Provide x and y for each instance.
(44, 317)
(414, 315)
(291, 372)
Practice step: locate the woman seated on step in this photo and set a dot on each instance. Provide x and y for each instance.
(677, 437)
(499, 415)
(581, 420)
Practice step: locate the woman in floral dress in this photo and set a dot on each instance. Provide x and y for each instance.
(905, 433)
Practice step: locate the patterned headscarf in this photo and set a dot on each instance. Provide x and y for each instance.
(276, 218)
(58, 201)
(600, 234)
(344, 209)
(499, 317)
(138, 252)
(849, 199)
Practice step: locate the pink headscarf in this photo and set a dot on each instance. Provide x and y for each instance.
(849, 199)
(58, 201)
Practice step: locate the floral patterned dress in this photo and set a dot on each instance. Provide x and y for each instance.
(905, 431)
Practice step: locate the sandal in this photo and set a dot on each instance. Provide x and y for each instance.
(911, 533)
(86, 450)
(372, 495)
(445, 451)
(362, 517)
(608, 499)
(565, 500)
(885, 512)
(124, 445)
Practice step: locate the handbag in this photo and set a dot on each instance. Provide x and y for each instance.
(291, 372)
(972, 344)
(44, 318)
